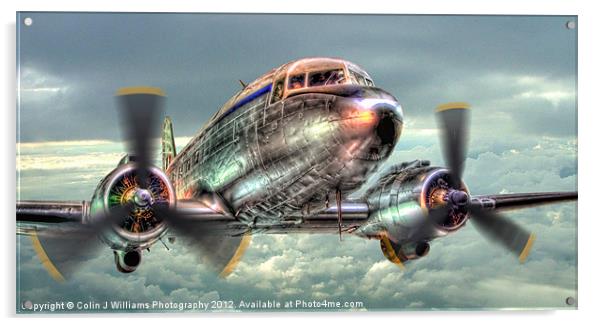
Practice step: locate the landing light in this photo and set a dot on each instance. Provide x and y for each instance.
(365, 117)
(360, 116)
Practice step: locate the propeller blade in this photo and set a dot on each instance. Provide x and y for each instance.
(63, 251)
(220, 252)
(140, 109)
(504, 231)
(177, 221)
(453, 120)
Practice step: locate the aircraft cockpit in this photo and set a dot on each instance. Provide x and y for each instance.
(293, 77)
(316, 72)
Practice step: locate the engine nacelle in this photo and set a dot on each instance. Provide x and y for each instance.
(127, 262)
(396, 253)
(400, 202)
(140, 227)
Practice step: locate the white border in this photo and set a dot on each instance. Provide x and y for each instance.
(589, 140)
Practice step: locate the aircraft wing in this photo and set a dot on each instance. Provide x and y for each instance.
(44, 217)
(51, 212)
(62, 244)
(504, 202)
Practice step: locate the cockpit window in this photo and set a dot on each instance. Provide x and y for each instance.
(296, 81)
(355, 77)
(278, 91)
(328, 77)
(359, 79)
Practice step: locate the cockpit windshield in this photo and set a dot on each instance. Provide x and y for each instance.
(327, 77)
(359, 79)
(315, 72)
(296, 81)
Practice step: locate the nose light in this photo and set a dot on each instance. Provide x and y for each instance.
(364, 117)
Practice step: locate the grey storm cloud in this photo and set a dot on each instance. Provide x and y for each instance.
(518, 73)
(71, 64)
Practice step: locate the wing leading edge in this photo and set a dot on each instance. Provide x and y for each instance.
(47, 212)
(522, 200)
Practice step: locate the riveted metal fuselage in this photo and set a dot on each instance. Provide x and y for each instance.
(269, 160)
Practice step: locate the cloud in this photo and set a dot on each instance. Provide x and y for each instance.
(32, 81)
(421, 63)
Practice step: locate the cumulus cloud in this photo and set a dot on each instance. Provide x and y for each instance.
(463, 270)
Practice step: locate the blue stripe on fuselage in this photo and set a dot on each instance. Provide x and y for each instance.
(249, 98)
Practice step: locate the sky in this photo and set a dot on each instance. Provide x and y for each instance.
(518, 73)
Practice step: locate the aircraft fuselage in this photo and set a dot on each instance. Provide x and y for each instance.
(269, 155)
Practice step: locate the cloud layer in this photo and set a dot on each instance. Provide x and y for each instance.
(462, 270)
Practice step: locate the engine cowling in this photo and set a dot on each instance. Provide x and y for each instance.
(401, 201)
(127, 262)
(397, 254)
(140, 227)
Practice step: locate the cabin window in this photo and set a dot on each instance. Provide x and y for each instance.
(296, 81)
(328, 77)
(278, 91)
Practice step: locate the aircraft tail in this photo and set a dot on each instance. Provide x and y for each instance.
(168, 145)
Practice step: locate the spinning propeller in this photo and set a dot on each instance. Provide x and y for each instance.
(140, 110)
(454, 120)
(140, 203)
(132, 206)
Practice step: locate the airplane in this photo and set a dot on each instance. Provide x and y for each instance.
(282, 155)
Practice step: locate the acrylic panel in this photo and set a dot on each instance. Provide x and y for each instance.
(195, 162)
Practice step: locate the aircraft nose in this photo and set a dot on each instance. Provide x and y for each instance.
(375, 123)
(381, 118)
(389, 125)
